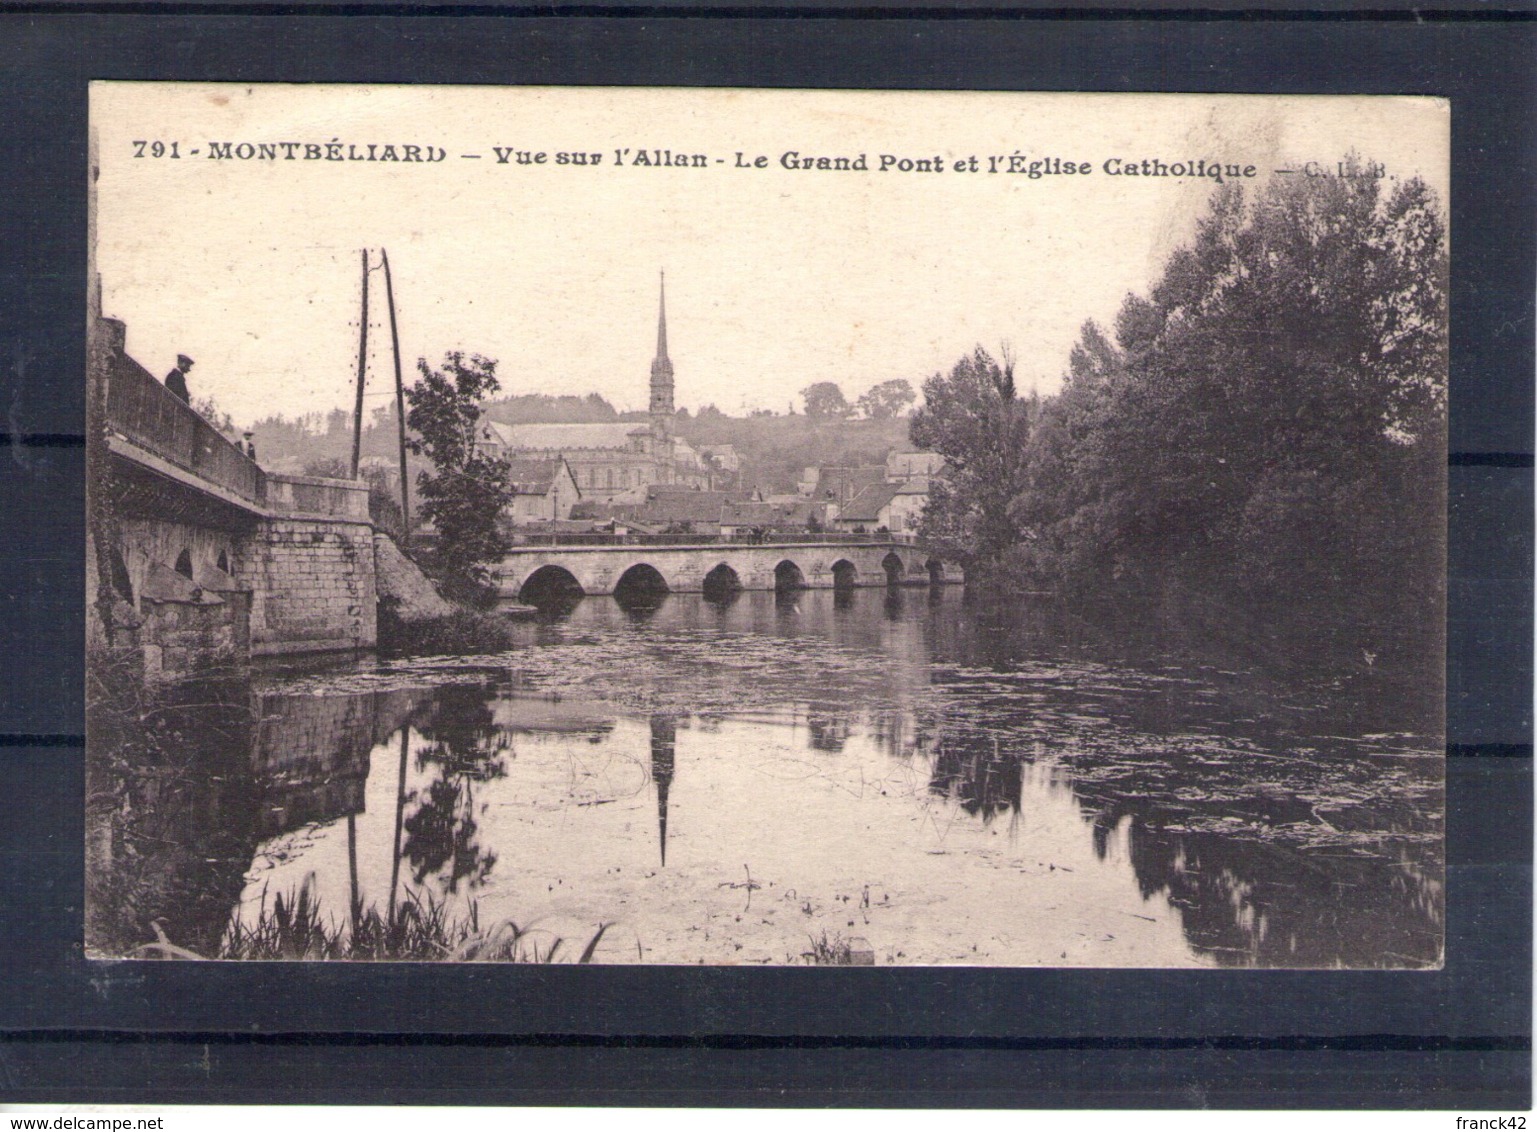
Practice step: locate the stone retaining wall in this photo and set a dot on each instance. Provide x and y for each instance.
(313, 588)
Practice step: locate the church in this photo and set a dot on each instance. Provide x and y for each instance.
(609, 459)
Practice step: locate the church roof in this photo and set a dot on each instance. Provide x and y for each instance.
(566, 437)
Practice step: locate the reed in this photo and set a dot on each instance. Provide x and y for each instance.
(829, 951)
(422, 929)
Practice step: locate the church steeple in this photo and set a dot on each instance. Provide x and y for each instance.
(661, 322)
(661, 374)
(664, 733)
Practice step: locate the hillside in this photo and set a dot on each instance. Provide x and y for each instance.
(773, 449)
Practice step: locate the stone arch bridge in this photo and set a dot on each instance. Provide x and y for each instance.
(526, 572)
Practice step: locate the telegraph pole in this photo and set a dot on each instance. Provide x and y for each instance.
(400, 405)
(357, 415)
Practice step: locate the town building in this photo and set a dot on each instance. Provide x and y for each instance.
(544, 491)
(670, 509)
(609, 459)
(894, 505)
(764, 520)
(722, 456)
(868, 511)
(906, 507)
(836, 486)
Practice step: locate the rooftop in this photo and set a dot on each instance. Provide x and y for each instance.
(866, 506)
(533, 477)
(565, 437)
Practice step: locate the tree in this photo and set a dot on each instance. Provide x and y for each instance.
(1269, 424)
(974, 418)
(825, 401)
(208, 409)
(467, 490)
(886, 400)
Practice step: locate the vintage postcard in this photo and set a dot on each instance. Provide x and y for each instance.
(693, 526)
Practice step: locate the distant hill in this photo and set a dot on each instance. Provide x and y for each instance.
(542, 408)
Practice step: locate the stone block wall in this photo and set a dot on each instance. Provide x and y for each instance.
(313, 588)
(180, 638)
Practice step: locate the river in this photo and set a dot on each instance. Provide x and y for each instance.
(896, 777)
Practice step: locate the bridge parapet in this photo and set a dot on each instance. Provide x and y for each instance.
(145, 412)
(295, 554)
(313, 495)
(533, 538)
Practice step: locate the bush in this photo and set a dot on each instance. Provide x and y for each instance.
(464, 631)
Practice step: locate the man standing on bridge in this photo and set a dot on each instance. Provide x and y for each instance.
(176, 380)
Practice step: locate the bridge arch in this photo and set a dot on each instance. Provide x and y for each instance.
(641, 581)
(936, 570)
(788, 577)
(894, 568)
(223, 562)
(721, 583)
(184, 563)
(845, 575)
(550, 583)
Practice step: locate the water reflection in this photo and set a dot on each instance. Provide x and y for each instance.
(664, 736)
(726, 777)
(975, 772)
(463, 748)
(187, 785)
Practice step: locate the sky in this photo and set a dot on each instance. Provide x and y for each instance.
(776, 277)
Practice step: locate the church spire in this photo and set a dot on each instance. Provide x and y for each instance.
(661, 323)
(661, 375)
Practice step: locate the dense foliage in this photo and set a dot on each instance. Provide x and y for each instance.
(825, 401)
(1266, 427)
(976, 420)
(464, 494)
(886, 399)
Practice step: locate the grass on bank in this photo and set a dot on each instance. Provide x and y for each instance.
(421, 929)
(829, 951)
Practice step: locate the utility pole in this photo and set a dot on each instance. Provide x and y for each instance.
(357, 415)
(400, 405)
